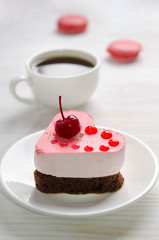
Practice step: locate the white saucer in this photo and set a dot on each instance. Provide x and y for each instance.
(140, 171)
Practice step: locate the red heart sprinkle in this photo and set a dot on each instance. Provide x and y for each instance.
(63, 144)
(54, 141)
(103, 148)
(90, 130)
(74, 146)
(106, 134)
(88, 149)
(113, 142)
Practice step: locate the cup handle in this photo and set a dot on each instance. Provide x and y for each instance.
(14, 82)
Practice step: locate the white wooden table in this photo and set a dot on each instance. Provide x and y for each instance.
(127, 98)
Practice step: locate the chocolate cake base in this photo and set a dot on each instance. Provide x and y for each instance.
(51, 184)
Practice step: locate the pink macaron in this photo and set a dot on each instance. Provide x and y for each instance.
(72, 24)
(124, 50)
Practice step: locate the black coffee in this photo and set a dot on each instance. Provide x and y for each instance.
(63, 66)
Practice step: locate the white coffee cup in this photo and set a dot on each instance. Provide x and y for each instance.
(75, 89)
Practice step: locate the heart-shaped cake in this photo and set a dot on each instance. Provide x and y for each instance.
(88, 162)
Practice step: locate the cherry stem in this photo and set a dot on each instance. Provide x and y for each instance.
(61, 108)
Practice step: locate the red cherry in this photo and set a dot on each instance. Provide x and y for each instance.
(88, 149)
(67, 127)
(103, 148)
(113, 142)
(106, 134)
(90, 130)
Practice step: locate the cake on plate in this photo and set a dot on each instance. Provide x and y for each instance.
(74, 156)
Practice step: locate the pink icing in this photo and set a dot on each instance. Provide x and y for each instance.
(51, 143)
(82, 155)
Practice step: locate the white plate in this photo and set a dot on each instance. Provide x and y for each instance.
(140, 171)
